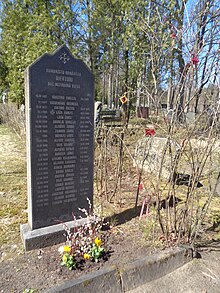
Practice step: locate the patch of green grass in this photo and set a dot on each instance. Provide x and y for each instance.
(28, 291)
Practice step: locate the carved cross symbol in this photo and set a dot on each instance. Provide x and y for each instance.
(64, 58)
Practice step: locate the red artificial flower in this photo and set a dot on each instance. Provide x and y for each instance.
(140, 186)
(149, 132)
(195, 60)
(173, 36)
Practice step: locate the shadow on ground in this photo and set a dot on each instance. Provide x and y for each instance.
(129, 214)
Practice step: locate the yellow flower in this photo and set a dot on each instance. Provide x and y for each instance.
(86, 256)
(66, 248)
(98, 242)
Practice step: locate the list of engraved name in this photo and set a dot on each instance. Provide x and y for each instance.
(59, 138)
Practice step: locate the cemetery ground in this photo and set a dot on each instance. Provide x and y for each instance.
(128, 237)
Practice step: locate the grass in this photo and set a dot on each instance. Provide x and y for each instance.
(13, 194)
(13, 189)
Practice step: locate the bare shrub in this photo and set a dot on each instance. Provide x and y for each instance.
(13, 117)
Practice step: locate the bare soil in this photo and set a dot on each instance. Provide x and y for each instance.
(128, 238)
(41, 269)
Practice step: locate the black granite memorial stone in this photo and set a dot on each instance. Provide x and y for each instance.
(59, 106)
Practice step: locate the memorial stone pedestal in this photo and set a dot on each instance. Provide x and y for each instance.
(60, 120)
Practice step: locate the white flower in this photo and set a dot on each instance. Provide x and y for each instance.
(61, 249)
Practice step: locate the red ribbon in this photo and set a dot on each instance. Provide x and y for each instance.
(149, 132)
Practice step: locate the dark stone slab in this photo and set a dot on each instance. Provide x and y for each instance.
(47, 236)
(153, 267)
(105, 280)
(60, 121)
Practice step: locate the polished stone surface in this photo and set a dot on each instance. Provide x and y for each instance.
(60, 121)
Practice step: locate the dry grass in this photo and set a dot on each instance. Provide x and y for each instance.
(13, 191)
(13, 195)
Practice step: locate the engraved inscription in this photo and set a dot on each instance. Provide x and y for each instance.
(64, 159)
(60, 111)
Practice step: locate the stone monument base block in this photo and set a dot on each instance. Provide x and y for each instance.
(47, 236)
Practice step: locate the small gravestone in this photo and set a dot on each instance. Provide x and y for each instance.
(60, 121)
(155, 156)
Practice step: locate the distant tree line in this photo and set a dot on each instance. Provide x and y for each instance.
(148, 50)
